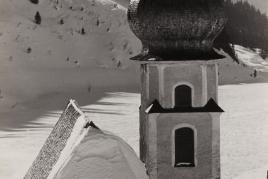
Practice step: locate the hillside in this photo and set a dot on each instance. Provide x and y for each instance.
(79, 47)
(56, 56)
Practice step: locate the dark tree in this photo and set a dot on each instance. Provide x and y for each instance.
(37, 18)
(223, 42)
(34, 1)
(61, 21)
(29, 50)
(246, 26)
(83, 32)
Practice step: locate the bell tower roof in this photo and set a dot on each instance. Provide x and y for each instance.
(177, 30)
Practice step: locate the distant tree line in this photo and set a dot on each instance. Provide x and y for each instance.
(246, 26)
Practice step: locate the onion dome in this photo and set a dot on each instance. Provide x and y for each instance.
(177, 29)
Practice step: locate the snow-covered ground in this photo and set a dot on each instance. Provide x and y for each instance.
(244, 131)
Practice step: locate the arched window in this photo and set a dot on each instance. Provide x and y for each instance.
(184, 147)
(183, 96)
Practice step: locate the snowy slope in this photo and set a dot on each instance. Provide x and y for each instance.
(251, 68)
(56, 56)
(251, 58)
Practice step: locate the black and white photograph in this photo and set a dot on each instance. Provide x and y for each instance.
(133, 89)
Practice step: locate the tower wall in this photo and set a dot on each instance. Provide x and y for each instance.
(158, 80)
(160, 140)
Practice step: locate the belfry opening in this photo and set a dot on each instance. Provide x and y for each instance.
(183, 96)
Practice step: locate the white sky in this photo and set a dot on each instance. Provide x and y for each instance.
(261, 4)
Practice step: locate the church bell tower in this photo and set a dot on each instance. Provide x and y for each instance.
(179, 114)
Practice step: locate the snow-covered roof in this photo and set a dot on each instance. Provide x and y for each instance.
(100, 155)
(78, 149)
(66, 132)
